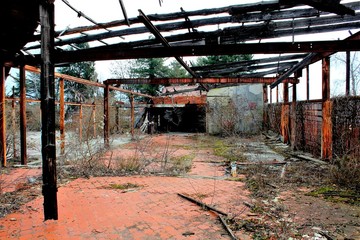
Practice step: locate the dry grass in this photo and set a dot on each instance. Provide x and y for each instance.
(345, 172)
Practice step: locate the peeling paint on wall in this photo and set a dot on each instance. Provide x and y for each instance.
(235, 110)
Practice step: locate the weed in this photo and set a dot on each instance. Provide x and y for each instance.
(182, 163)
(129, 164)
(228, 151)
(124, 186)
(235, 179)
(346, 172)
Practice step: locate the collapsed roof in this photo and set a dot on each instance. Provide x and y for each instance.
(244, 28)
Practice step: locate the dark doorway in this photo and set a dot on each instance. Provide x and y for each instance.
(191, 118)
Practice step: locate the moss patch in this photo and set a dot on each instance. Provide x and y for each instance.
(333, 194)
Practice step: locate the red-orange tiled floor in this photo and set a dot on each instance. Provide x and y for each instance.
(90, 209)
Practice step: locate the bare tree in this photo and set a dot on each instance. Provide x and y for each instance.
(340, 58)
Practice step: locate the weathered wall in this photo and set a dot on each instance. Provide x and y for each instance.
(273, 112)
(345, 117)
(346, 126)
(308, 127)
(235, 110)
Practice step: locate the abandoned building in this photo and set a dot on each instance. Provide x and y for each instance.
(269, 94)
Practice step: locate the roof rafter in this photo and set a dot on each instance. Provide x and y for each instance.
(311, 58)
(220, 80)
(112, 53)
(247, 31)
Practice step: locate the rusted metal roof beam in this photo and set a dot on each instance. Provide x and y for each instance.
(124, 12)
(332, 6)
(259, 30)
(244, 18)
(85, 82)
(312, 58)
(295, 68)
(112, 53)
(224, 80)
(248, 62)
(130, 92)
(240, 70)
(165, 43)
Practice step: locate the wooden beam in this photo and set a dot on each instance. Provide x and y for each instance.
(222, 80)
(124, 12)
(326, 133)
(49, 188)
(312, 58)
(93, 114)
(85, 82)
(286, 93)
(111, 52)
(328, 6)
(3, 117)
(292, 122)
(326, 79)
(248, 63)
(165, 43)
(23, 116)
(67, 77)
(80, 123)
(265, 100)
(306, 20)
(236, 10)
(62, 115)
(117, 120)
(285, 114)
(106, 116)
(347, 80)
(254, 68)
(130, 92)
(13, 122)
(292, 70)
(307, 83)
(132, 116)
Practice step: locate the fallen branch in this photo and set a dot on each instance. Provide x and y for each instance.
(259, 163)
(303, 157)
(222, 220)
(327, 236)
(249, 205)
(272, 185)
(201, 204)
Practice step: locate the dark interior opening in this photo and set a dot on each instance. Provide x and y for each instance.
(191, 118)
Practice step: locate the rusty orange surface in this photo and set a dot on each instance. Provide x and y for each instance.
(199, 100)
